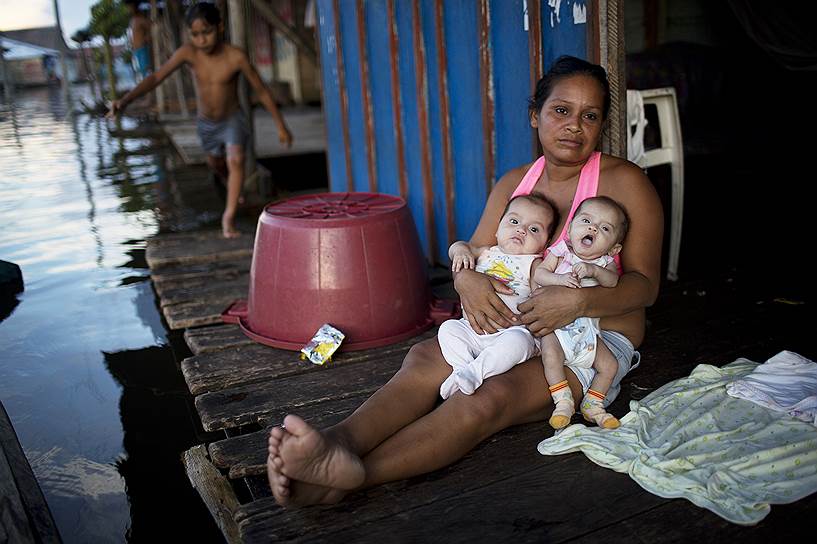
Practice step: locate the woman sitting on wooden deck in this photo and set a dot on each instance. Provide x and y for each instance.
(403, 430)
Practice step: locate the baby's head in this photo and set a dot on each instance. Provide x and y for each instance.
(527, 224)
(204, 23)
(598, 228)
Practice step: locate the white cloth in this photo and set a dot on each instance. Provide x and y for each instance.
(786, 383)
(475, 357)
(690, 439)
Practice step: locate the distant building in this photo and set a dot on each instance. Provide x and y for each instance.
(32, 56)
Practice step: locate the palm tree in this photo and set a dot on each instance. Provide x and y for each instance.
(83, 36)
(109, 19)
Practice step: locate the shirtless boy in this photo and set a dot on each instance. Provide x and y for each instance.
(221, 124)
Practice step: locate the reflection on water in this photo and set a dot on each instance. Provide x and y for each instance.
(86, 374)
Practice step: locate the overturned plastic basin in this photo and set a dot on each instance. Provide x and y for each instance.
(349, 259)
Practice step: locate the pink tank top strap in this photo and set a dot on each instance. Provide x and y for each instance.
(531, 177)
(588, 186)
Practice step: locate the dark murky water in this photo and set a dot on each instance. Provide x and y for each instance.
(87, 372)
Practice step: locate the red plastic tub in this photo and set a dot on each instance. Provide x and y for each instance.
(349, 259)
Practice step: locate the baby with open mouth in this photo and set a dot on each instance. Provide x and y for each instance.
(584, 259)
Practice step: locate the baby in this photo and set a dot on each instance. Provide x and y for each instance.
(585, 260)
(526, 226)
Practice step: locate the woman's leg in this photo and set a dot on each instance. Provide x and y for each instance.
(462, 422)
(307, 456)
(401, 434)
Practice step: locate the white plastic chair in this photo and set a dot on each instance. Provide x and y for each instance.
(671, 152)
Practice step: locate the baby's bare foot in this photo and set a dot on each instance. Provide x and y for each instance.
(310, 457)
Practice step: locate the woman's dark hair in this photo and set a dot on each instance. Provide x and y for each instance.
(564, 67)
(203, 10)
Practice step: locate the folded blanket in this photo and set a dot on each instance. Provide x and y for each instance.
(690, 439)
(787, 383)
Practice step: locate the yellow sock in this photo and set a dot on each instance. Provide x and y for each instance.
(592, 408)
(563, 406)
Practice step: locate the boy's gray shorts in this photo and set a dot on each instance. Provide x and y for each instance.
(626, 355)
(216, 135)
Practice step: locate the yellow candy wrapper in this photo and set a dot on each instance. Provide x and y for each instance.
(326, 341)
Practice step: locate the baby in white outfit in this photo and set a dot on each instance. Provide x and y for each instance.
(524, 230)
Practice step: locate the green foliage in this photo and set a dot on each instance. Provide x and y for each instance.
(109, 19)
(81, 36)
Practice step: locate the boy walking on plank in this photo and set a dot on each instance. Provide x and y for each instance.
(221, 124)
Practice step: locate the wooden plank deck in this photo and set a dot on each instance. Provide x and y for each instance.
(305, 124)
(503, 490)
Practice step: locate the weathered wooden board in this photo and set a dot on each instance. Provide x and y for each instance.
(165, 288)
(248, 404)
(195, 271)
(500, 476)
(682, 521)
(245, 455)
(196, 247)
(247, 364)
(24, 514)
(199, 312)
(237, 287)
(214, 490)
(215, 338)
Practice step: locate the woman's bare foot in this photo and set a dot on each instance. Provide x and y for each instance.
(293, 493)
(310, 457)
(279, 484)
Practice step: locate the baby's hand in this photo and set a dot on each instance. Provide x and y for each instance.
(569, 280)
(584, 270)
(462, 259)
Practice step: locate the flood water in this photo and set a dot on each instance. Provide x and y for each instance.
(88, 372)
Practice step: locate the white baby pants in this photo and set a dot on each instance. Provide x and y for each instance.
(475, 357)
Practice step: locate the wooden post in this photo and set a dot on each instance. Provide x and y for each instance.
(238, 37)
(8, 85)
(272, 18)
(611, 45)
(177, 77)
(157, 56)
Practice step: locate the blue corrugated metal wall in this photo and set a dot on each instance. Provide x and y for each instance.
(447, 196)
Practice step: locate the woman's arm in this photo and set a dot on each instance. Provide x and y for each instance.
(553, 307)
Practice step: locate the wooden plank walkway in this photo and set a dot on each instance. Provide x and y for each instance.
(305, 124)
(503, 490)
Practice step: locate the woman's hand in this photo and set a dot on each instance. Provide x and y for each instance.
(550, 308)
(486, 312)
